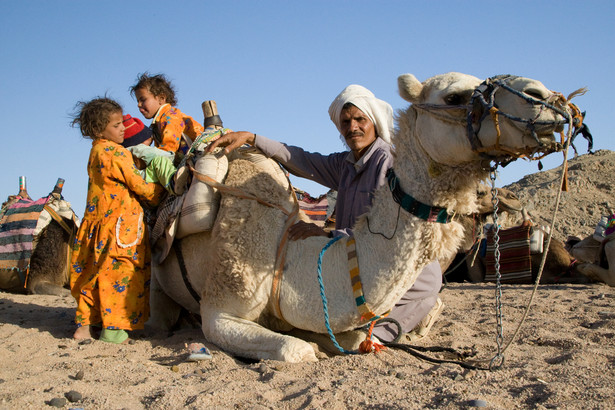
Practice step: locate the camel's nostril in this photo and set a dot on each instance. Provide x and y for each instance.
(536, 93)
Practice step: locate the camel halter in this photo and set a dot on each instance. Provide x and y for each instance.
(482, 103)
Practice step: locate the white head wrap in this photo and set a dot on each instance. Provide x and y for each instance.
(378, 111)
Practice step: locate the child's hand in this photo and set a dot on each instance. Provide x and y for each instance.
(139, 163)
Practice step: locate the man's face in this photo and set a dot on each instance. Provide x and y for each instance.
(358, 130)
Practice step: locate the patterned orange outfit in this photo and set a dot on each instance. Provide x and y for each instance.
(168, 125)
(110, 261)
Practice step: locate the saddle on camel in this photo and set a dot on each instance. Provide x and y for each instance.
(195, 210)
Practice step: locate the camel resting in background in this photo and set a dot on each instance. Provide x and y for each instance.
(470, 265)
(47, 267)
(595, 259)
(438, 167)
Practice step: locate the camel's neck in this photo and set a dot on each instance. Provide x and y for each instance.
(436, 184)
(402, 243)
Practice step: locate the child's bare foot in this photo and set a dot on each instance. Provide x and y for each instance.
(83, 332)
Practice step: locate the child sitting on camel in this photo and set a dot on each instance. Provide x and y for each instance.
(173, 130)
(155, 164)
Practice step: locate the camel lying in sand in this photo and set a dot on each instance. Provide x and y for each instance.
(48, 271)
(470, 265)
(596, 259)
(437, 163)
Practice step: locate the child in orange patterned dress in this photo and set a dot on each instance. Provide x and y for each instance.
(173, 130)
(110, 261)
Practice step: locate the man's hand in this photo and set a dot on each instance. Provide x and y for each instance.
(302, 230)
(231, 141)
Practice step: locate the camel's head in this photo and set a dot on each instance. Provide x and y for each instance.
(460, 119)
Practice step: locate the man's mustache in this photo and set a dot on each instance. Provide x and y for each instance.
(354, 134)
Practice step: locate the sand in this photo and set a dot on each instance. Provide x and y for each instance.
(562, 357)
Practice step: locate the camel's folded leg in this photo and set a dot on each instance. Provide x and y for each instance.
(595, 272)
(598, 273)
(350, 340)
(249, 339)
(164, 311)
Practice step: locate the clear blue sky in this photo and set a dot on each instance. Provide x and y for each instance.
(275, 66)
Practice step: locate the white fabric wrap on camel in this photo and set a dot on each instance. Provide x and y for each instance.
(201, 202)
(378, 111)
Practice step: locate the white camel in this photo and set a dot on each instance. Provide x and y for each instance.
(232, 267)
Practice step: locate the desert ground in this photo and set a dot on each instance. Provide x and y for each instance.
(563, 355)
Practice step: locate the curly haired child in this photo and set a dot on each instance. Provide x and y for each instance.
(173, 130)
(110, 261)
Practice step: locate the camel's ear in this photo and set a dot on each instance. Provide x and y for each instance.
(409, 87)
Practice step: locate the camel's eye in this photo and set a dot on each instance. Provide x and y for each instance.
(453, 99)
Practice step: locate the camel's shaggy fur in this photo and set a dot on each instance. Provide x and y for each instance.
(232, 266)
(48, 265)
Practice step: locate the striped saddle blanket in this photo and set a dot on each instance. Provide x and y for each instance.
(315, 208)
(17, 228)
(515, 260)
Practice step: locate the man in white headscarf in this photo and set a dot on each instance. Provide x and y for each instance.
(365, 123)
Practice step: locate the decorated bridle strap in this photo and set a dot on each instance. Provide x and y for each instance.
(416, 208)
(483, 100)
(357, 287)
(366, 313)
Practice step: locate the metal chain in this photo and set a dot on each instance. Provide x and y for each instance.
(498, 360)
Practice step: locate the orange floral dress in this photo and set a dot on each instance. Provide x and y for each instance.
(169, 124)
(110, 261)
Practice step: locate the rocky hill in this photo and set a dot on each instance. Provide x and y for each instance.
(591, 194)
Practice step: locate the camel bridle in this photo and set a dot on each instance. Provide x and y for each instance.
(483, 103)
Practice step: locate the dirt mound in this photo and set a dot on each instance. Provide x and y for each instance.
(590, 194)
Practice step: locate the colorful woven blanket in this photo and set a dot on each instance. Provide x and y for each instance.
(314, 208)
(17, 232)
(515, 260)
